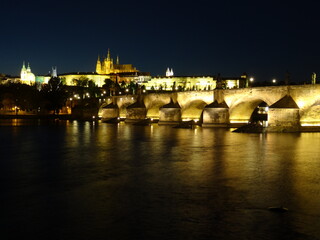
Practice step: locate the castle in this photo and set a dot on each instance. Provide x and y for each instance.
(106, 66)
(127, 73)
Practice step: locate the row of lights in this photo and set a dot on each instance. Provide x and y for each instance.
(252, 80)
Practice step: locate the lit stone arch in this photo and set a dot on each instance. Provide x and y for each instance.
(240, 111)
(123, 102)
(154, 102)
(310, 115)
(193, 109)
(184, 98)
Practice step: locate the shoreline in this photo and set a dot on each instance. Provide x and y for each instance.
(44, 116)
(243, 129)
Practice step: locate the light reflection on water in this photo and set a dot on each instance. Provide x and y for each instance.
(80, 180)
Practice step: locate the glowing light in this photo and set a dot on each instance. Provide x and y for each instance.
(251, 79)
(239, 121)
(274, 80)
(310, 124)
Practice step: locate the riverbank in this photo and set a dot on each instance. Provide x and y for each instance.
(43, 116)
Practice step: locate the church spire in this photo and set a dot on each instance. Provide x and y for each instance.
(28, 68)
(108, 55)
(23, 66)
(117, 62)
(98, 66)
(54, 72)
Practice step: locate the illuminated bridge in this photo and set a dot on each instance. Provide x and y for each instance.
(285, 105)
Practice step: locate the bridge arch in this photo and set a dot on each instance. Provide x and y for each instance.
(310, 115)
(240, 111)
(154, 102)
(193, 109)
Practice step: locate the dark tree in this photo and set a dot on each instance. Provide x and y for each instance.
(93, 89)
(108, 85)
(54, 94)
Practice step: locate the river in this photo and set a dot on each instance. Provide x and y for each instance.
(91, 180)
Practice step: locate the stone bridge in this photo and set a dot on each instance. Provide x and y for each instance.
(237, 104)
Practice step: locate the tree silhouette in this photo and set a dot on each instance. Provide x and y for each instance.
(54, 94)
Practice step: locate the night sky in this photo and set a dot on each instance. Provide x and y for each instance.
(263, 38)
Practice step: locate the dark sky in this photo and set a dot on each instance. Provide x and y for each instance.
(263, 38)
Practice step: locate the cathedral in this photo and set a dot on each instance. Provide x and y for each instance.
(26, 76)
(106, 66)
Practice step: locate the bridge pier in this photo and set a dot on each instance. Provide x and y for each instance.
(136, 112)
(110, 113)
(170, 113)
(283, 116)
(216, 115)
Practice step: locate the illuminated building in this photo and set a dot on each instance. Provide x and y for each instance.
(26, 76)
(126, 73)
(169, 73)
(194, 83)
(106, 66)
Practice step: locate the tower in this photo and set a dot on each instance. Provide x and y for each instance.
(108, 63)
(28, 68)
(98, 66)
(169, 73)
(313, 78)
(54, 73)
(23, 73)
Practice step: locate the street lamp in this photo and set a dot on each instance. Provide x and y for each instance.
(274, 80)
(251, 80)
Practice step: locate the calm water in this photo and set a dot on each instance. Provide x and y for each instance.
(79, 180)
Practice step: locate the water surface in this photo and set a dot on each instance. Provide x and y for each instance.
(85, 180)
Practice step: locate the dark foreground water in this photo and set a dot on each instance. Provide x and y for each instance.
(79, 180)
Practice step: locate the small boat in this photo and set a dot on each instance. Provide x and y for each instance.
(278, 209)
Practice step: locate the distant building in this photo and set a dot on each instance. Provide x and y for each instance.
(26, 76)
(169, 73)
(106, 66)
(126, 73)
(194, 82)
